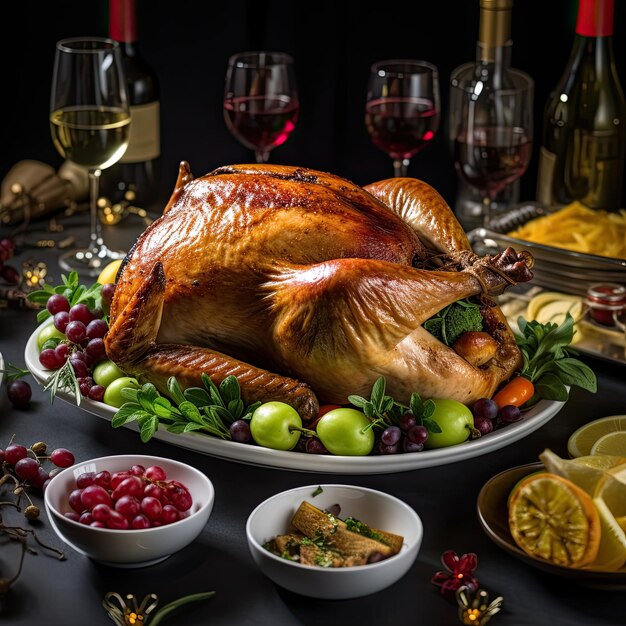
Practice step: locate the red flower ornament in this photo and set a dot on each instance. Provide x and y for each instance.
(459, 573)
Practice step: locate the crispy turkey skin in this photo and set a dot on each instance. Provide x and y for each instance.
(307, 288)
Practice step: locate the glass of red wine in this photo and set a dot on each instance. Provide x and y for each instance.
(261, 100)
(492, 137)
(402, 108)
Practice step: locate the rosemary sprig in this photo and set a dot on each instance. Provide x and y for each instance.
(65, 379)
(13, 372)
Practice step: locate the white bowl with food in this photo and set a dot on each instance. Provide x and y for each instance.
(373, 541)
(143, 520)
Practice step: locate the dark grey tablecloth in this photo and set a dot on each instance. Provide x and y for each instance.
(69, 593)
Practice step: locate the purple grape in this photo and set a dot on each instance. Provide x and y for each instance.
(97, 329)
(57, 303)
(49, 359)
(95, 350)
(19, 393)
(14, 453)
(385, 449)
(97, 393)
(391, 436)
(240, 431)
(483, 424)
(61, 320)
(509, 414)
(485, 407)
(79, 366)
(81, 313)
(407, 421)
(107, 293)
(314, 446)
(26, 468)
(409, 446)
(417, 434)
(76, 331)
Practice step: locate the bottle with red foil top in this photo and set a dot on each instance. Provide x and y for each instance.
(135, 179)
(584, 133)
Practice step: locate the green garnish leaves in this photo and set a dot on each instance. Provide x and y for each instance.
(210, 409)
(384, 411)
(549, 362)
(317, 491)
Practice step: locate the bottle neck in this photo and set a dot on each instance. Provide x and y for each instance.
(494, 31)
(123, 21)
(595, 18)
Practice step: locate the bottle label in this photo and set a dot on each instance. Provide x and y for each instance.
(545, 179)
(144, 142)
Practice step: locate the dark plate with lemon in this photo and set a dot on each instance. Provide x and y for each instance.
(492, 508)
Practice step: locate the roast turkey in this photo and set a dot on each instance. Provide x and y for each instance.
(308, 288)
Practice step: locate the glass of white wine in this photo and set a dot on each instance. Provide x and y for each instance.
(90, 124)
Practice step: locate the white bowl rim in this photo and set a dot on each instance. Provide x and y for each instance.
(136, 457)
(337, 570)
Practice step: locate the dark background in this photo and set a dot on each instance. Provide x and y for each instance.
(333, 43)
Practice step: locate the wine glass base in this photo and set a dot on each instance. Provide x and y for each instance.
(89, 262)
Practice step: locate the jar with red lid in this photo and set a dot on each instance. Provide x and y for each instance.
(606, 302)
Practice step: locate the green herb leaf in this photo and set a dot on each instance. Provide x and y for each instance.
(431, 425)
(317, 492)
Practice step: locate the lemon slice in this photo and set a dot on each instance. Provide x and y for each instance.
(109, 272)
(553, 519)
(612, 550)
(612, 489)
(611, 443)
(582, 439)
(586, 471)
(547, 297)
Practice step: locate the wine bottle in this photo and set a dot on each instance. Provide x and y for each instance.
(136, 177)
(584, 132)
(488, 73)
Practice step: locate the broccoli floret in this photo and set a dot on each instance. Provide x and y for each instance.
(455, 319)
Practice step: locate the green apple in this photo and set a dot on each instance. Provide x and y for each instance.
(113, 393)
(106, 372)
(455, 420)
(48, 332)
(276, 425)
(346, 431)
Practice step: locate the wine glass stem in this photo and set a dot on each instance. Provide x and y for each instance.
(95, 235)
(400, 167)
(262, 156)
(487, 206)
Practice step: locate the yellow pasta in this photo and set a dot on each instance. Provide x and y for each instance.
(580, 229)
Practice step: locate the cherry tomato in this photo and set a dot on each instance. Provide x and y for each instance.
(517, 391)
(324, 408)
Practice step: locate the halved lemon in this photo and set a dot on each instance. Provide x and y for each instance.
(581, 440)
(585, 471)
(553, 519)
(612, 550)
(611, 443)
(109, 272)
(548, 297)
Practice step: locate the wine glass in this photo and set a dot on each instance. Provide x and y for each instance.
(402, 108)
(90, 123)
(261, 104)
(492, 135)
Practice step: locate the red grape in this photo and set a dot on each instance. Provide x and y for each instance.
(97, 393)
(178, 495)
(85, 479)
(140, 522)
(57, 303)
(155, 473)
(61, 320)
(14, 452)
(94, 494)
(62, 457)
(81, 313)
(97, 329)
(26, 468)
(75, 500)
(151, 508)
(76, 331)
(128, 506)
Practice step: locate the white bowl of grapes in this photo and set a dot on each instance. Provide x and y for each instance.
(334, 541)
(129, 510)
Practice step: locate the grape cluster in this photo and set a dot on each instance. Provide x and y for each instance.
(24, 467)
(134, 499)
(8, 273)
(408, 436)
(488, 417)
(83, 343)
